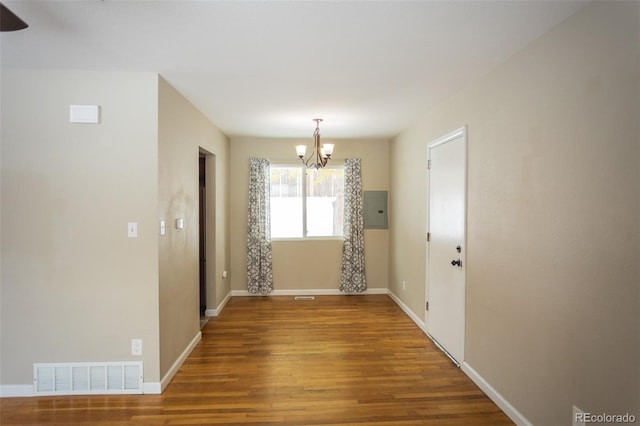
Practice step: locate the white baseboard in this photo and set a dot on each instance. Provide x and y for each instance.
(215, 312)
(495, 396)
(310, 292)
(14, 391)
(176, 365)
(420, 323)
(154, 388)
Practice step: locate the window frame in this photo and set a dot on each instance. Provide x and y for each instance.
(305, 237)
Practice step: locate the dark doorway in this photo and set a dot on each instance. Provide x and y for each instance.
(203, 231)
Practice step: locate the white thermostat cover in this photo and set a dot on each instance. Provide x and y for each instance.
(84, 114)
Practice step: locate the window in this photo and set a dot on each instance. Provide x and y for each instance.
(306, 202)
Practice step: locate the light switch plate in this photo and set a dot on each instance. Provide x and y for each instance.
(132, 229)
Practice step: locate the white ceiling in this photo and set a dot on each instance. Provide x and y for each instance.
(267, 68)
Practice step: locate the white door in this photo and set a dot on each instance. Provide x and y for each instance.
(446, 247)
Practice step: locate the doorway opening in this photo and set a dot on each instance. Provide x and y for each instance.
(202, 209)
(206, 233)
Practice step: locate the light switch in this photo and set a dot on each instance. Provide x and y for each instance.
(132, 229)
(163, 229)
(179, 223)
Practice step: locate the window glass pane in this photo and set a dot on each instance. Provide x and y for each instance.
(286, 202)
(325, 202)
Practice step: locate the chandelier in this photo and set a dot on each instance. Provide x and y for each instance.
(321, 153)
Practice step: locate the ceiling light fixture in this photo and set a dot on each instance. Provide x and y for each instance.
(321, 153)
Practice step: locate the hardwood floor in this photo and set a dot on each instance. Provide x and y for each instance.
(272, 360)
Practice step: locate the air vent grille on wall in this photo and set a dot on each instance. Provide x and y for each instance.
(87, 378)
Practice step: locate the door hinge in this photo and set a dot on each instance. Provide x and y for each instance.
(426, 306)
(428, 164)
(428, 236)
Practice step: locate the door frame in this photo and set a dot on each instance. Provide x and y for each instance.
(454, 134)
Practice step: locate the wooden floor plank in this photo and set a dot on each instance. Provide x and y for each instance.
(335, 360)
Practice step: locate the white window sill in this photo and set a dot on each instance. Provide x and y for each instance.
(308, 239)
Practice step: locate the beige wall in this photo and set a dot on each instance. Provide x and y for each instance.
(183, 133)
(74, 287)
(307, 264)
(553, 218)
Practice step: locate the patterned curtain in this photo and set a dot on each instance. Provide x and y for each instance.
(352, 279)
(259, 271)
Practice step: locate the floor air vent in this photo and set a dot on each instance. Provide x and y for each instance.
(87, 378)
(305, 298)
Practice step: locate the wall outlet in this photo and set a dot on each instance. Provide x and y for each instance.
(404, 285)
(578, 417)
(136, 346)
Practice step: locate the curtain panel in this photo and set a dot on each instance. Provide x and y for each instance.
(352, 278)
(259, 258)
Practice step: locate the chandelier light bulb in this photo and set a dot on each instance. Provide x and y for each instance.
(321, 153)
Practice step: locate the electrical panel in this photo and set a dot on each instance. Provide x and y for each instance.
(375, 210)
